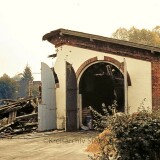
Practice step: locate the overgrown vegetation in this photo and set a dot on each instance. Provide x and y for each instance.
(131, 137)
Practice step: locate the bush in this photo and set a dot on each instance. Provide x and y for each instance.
(138, 136)
(135, 137)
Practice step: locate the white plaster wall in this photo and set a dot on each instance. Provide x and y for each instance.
(139, 71)
(141, 78)
(61, 91)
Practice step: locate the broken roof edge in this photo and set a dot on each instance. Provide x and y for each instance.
(62, 31)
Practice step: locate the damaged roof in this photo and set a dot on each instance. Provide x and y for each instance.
(60, 32)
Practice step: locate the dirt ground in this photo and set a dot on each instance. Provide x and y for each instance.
(55, 145)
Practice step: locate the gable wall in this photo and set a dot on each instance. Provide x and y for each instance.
(124, 51)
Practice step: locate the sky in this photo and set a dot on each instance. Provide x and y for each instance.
(24, 22)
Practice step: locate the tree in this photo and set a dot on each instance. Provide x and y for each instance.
(157, 30)
(7, 87)
(143, 36)
(121, 33)
(17, 77)
(25, 84)
(27, 74)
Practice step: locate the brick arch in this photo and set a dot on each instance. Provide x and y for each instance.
(119, 65)
(113, 61)
(85, 64)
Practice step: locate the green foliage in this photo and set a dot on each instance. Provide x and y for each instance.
(143, 36)
(26, 82)
(7, 87)
(136, 136)
(27, 74)
(102, 121)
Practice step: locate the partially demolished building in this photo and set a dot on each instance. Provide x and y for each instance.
(93, 69)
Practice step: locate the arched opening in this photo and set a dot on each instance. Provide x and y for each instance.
(100, 83)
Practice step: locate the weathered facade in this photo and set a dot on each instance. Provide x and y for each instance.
(90, 70)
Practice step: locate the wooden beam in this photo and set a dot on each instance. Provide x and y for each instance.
(27, 116)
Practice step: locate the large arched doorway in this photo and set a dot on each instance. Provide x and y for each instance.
(101, 82)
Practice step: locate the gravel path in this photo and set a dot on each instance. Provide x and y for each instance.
(56, 145)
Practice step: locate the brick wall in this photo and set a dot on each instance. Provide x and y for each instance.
(156, 85)
(106, 47)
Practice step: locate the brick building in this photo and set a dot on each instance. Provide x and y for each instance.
(94, 69)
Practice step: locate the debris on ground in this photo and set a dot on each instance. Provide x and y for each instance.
(18, 116)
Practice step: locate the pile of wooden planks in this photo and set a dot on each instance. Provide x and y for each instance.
(19, 116)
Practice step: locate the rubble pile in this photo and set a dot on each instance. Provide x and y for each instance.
(19, 116)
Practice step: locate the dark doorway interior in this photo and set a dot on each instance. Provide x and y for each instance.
(102, 83)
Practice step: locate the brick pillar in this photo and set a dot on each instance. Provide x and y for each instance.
(155, 85)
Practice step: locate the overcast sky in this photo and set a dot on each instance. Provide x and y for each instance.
(24, 22)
